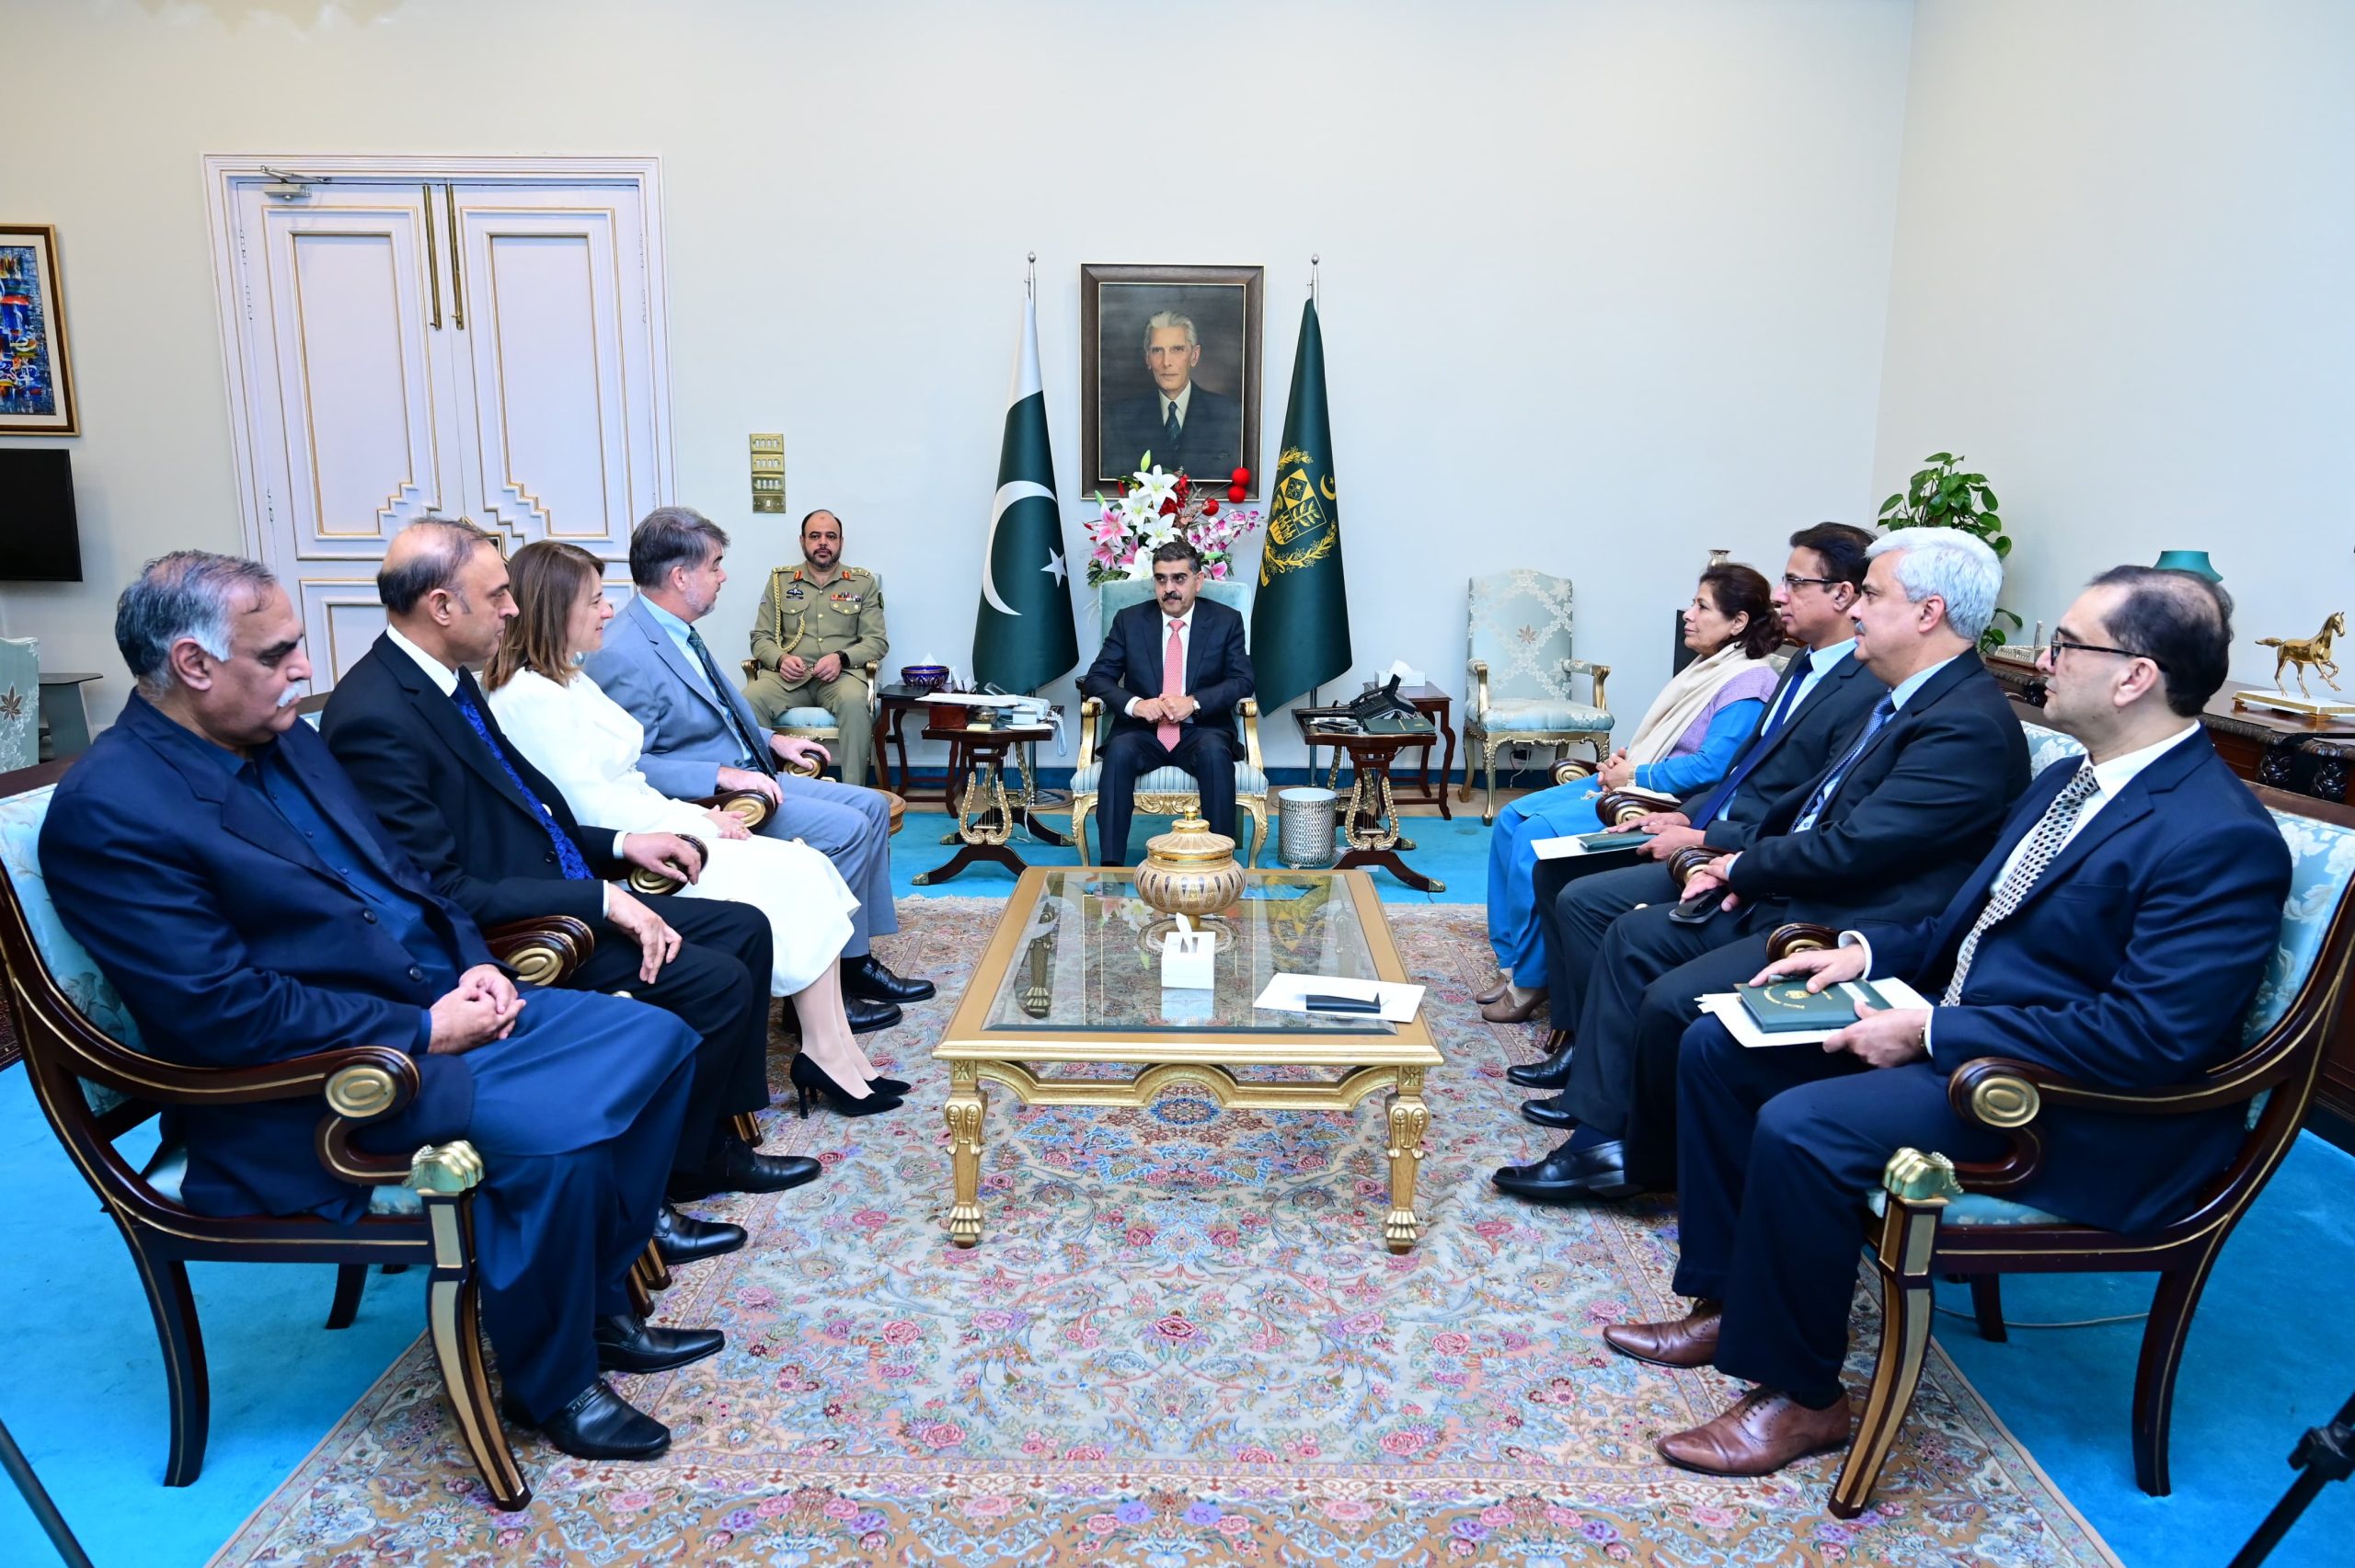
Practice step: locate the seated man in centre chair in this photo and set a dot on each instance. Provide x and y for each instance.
(1172, 671)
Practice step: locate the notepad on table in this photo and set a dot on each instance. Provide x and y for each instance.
(1290, 994)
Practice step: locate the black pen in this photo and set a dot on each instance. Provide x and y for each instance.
(1340, 1004)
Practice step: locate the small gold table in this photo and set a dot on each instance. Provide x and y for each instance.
(1066, 980)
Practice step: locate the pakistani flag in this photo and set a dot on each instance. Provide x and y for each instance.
(1300, 620)
(1022, 635)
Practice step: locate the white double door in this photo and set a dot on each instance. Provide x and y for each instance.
(485, 347)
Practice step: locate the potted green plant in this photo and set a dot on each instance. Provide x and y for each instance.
(1941, 496)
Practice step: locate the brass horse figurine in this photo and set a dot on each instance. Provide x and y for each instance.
(2308, 653)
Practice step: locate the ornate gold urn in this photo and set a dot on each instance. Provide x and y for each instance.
(1189, 871)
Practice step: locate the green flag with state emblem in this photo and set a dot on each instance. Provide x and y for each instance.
(1023, 634)
(1299, 618)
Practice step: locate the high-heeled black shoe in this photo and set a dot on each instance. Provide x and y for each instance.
(887, 1086)
(810, 1079)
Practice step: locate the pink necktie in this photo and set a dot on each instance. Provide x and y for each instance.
(1173, 682)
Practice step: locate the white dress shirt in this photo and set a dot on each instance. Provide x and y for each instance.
(1161, 646)
(1183, 401)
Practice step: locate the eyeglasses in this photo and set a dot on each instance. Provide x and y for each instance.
(1794, 582)
(2062, 643)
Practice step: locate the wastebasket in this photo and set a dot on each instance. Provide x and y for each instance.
(1305, 828)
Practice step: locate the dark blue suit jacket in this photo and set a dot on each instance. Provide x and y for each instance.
(235, 946)
(2128, 965)
(1218, 672)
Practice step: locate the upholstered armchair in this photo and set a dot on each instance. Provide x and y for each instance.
(1519, 673)
(81, 1050)
(1932, 1215)
(1167, 792)
(19, 703)
(817, 724)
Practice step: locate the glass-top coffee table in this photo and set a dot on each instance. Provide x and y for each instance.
(1067, 987)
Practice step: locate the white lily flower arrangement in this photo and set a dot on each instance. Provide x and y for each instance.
(1154, 507)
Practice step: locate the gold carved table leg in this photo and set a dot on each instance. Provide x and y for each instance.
(967, 1105)
(985, 817)
(1409, 1120)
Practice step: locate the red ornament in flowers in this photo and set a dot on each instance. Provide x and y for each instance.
(1154, 508)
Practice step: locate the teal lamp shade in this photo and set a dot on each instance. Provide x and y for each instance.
(2192, 561)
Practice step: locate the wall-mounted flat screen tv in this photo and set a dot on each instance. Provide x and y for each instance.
(39, 542)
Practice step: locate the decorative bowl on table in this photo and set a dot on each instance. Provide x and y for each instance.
(1189, 871)
(925, 677)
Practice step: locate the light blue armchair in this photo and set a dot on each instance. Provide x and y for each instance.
(1168, 791)
(1520, 675)
(19, 703)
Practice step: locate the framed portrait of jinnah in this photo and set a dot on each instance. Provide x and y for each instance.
(1169, 365)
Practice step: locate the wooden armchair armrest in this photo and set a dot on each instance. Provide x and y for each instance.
(1570, 770)
(1599, 673)
(1088, 711)
(1249, 708)
(1691, 858)
(1477, 671)
(1617, 807)
(1800, 936)
(543, 951)
(655, 885)
(749, 806)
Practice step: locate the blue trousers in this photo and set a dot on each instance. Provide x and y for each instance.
(1513, 930)
(850, 825)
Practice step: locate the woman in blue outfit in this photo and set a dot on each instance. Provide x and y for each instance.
(1686, 742)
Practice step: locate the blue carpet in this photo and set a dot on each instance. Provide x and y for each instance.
(86, 1399)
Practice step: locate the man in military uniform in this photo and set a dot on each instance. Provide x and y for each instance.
(821, 624)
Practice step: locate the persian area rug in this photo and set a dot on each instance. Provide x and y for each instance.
(1179, 1343)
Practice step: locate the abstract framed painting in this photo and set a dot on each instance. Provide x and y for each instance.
(1169, 365)
(36, 381)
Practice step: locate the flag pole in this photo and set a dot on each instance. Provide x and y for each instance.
(1316, 693)
(1315, 295)
(1031, 278)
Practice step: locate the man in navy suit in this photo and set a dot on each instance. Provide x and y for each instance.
(2115, 934)
(1183, 424)
(1887, 831)
(230, 883)
(1188, 722)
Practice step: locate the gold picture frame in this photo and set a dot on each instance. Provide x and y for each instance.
(1118, 420)
(36, 370)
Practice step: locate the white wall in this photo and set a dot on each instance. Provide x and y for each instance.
(1605, 282)
(2121, 288)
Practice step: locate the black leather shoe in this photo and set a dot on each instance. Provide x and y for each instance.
(1548, 1111)
(1552, 1074)
(680, 1238)
(867, 1015)
(600, 1424)
(1569, 1175)
(865, 975)
(739, 1167)
(886, 1086)
(627, 1342)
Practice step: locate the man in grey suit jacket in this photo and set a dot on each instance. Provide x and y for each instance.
(702, 736)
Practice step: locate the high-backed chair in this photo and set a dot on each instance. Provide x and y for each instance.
(1520, 671)
(19, 703)
(1933, 1216)
(817, 724)
(1168, 791)
(93, 1083)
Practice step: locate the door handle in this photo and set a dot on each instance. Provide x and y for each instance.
(457, 264)
(432, 266)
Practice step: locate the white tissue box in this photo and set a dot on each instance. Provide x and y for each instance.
(1186, 959)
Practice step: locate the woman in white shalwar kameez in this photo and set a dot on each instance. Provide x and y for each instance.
(588, 747)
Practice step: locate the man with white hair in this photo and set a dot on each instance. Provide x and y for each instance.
(1183, 424)
(1886, 832)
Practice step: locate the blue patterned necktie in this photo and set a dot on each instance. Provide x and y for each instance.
(719, 694)
(1786, 704)
(2043, 846)
(567, 853)
(1883, 711)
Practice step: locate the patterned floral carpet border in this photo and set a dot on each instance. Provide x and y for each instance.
(1179, 1343)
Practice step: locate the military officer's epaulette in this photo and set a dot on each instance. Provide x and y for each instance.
(857, 572)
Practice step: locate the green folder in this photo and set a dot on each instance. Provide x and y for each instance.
(1786, 1007)
(1598, 843)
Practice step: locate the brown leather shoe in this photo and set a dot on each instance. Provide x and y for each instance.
(1496, 989)
(1689, 1341)
(1763, 1432)
(1505, 1009)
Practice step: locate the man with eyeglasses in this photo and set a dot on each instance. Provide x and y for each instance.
(2114, 934)
(1814, 713)
(1886, 832)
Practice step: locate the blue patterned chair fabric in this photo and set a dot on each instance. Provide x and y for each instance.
(19, 703)
(1520, 671)
(1171, 790)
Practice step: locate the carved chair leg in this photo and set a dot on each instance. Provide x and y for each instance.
(653, 1269)
(1987, 1304)
(1259, 833)
(747, 1128)
(1082, 807)
(1488, 772)
(453, 1318)
(2162, 1336)
(1908, 1232)
(182, 1342)
(350, 1278)
(642, 1300)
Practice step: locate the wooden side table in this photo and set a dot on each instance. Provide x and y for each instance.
(986, 815)
(892, 706)
(1370, 818)
(1440, 708)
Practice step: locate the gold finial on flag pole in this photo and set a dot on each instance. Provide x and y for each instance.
(1030, 277)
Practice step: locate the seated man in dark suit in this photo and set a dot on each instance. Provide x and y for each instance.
(1813, 714)
(1886, 832)
(221, 869)
(1172, 671)
(1183, 424)
(412, 728)
(2115, 934)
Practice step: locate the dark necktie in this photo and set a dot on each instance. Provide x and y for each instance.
(1787, 702)
(1169, 426)
(1883, 711)
(2043, 845)
(719, 694)
(567, 853)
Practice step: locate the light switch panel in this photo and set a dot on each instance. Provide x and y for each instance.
(768, 472)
